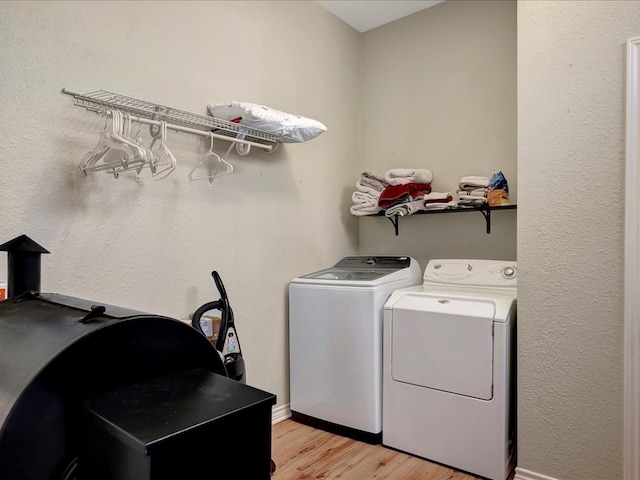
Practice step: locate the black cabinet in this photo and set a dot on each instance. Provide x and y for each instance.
(193, 424)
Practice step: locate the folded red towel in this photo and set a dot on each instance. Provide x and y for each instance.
(408, 192)
(445, 198)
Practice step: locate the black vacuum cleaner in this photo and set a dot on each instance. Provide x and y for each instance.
(227, 342)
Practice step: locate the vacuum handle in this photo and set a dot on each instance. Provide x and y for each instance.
(218, 280)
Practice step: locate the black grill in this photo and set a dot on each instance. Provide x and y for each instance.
(98, 392)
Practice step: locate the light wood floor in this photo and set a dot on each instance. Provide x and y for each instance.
(305, 453)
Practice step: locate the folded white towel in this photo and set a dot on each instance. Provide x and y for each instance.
(373, 180)
(440, 205)
(366, 189)
(362, 198)
(478, 192)
(402, 176)
(404, 209)
(475, 178)
(362, 210)
(469, 198)
(473, 182)
(437, 197)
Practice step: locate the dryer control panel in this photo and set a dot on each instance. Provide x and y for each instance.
(374, 262)
(476, 273)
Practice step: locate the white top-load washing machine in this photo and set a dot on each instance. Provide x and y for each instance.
(335, 342)
(449, 374)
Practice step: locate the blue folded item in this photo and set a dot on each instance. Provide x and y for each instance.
(498, 182)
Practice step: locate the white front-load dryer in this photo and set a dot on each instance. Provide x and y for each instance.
(448, 375)
(335, 342)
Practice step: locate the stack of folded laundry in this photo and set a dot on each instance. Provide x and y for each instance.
(368, 190)
(406, 185)
(429, 201)
(472, 191)
(409, 191)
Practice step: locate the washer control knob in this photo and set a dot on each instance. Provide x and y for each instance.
(370, 261)
(509, 272)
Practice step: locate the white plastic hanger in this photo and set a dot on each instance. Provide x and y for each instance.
(213, 164)
(125, 153)
(137, 138)
(109, 140)
(141, 155)
(163, 163)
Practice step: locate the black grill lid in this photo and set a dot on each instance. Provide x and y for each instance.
(56, 350)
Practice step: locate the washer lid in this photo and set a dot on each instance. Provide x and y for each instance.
(366, 271)
(344, 274)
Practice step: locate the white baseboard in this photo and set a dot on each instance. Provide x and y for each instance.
(522, 474)
(280, 413)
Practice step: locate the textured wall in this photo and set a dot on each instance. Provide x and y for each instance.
(571, 94)
(152, 245)
(439, 92)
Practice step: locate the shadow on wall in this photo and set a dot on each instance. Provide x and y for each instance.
(442, 235)
(350, 222)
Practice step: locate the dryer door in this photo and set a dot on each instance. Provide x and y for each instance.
(443, 343)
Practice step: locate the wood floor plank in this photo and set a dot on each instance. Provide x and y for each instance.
(305, 453)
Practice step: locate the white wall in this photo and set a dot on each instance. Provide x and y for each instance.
(152, 245)
(439, 92)
(571, 93)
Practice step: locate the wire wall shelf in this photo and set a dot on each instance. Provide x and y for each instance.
(244, 137)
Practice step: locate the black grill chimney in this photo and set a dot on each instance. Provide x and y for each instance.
(23, 267)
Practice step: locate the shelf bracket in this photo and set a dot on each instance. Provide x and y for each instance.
(394, 221)
(486, 213)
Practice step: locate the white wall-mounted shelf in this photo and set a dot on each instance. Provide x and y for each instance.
(152, 113)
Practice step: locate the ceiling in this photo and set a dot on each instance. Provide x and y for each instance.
(365, 15)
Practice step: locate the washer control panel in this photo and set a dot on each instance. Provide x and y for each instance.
(374, 262)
